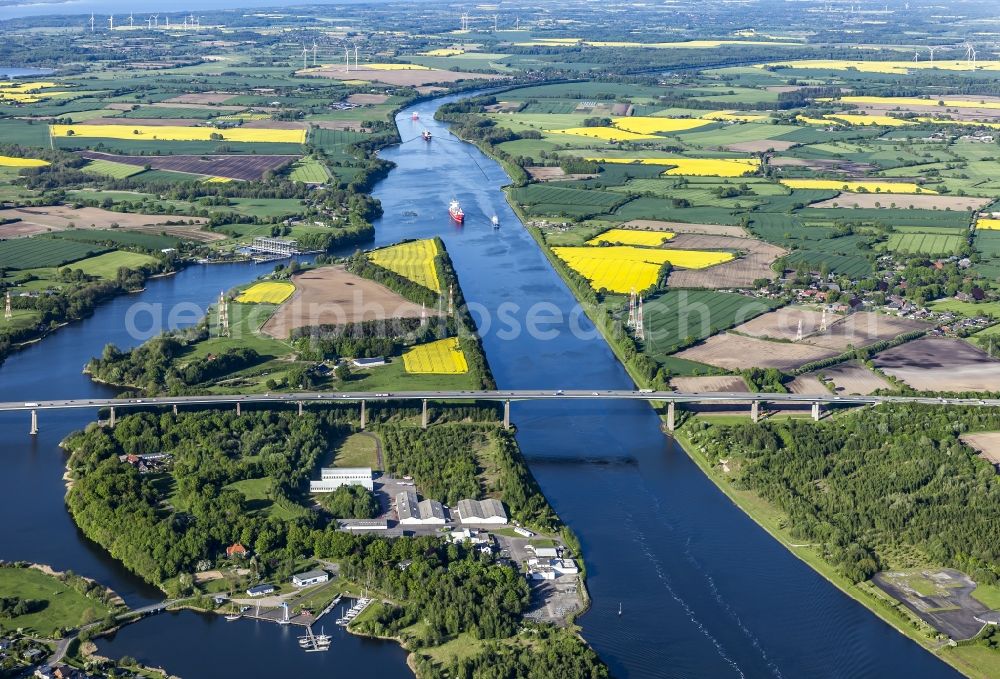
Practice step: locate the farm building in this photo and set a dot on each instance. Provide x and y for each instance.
(332, 478)
(260, 590)
(313, 577)
(487, 511)
(368, 362)
(413, 513)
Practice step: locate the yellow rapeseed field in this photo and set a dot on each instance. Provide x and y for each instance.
(443, 52)
(413, 260)
(988, 224)
(442, 357)
(178, 133)
(604, 133)
(652, 124)
(653, 239)
(269, 292)
(11, 161)
(623, 268)
(700, 167)
(28, 92)
(217, 180)
(903, 102)
(855, 119)
(842, 185)
(891, 67)
(735, 116)
(817, 121)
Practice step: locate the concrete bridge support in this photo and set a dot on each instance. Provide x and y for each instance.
(755, 411)
(506, 415)
(239, 409)
(175, 410)
(34, 422)
(111, 420)
(815, 411)
(364, 416)
(423, 415)
(300, 408)
(671, 415)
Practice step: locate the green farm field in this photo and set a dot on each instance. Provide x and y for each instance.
(109, 168)
(309, 170)
(680, 317)
(925, 243)
(31, 253)
(108, 264)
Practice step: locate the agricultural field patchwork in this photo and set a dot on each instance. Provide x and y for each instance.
(413, 260)
(441, 357)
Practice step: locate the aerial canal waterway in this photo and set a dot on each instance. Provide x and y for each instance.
(704, 591)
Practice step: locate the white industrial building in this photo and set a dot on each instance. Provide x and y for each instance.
(310, 578)
(482, 512)
(544, 552)
(332, 478)
(413, 513)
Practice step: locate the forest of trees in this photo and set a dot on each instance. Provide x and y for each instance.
(875, 484)
(350, 502)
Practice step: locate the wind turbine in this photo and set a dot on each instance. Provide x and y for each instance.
(149, 22)
(130, 21)
(111, 22)
(347, 60)
(931, 50)
(305, 56)
(916, 56)
(465, 21)
(355, 57)
(496, 17)
(91, 22)
(314, 52)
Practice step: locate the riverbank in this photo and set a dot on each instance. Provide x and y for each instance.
(766, 516)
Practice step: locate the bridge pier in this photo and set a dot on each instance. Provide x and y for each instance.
(755, 411)
(300, 408)
(239, 410)
(671, 415)
(175, 410)
(364, 415)
(111, 420)
(423, 416)
(815, 411)
(34, 423)
(506, 415)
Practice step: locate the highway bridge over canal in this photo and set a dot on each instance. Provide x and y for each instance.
(301, 399)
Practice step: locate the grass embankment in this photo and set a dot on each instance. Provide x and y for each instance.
(974, 661)
(53, 604)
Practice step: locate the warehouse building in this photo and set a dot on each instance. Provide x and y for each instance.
(484, 512)
(413, 513)
(310, 578)
(332, 478)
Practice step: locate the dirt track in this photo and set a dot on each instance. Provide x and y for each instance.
(332, 296)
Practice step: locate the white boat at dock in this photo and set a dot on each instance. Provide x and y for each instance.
(355, 611)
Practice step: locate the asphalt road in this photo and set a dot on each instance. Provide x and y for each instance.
(521, 395)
